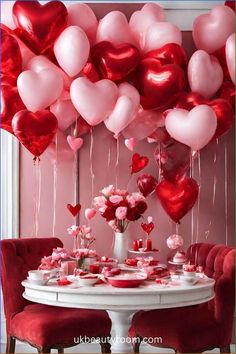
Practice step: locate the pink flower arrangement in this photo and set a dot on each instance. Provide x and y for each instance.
(54, 260)
(82, 236)
(119, 207)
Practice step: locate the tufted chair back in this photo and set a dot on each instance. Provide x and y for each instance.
(18, 256)
(218, 262)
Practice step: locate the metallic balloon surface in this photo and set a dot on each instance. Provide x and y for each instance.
(11, 60)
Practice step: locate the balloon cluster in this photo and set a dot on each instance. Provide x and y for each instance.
(60, 65)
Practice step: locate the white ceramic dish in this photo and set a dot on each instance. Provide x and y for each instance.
(37, 281)
(88, 280)
(189, 274)
(188, 280)
(38, 274)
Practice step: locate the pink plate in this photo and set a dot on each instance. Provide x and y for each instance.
(127, 280)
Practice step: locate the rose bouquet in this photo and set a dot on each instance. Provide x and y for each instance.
(119, 207)
(54, 260)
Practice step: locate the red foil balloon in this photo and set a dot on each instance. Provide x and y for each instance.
(227, 92)
(115, 62)
(39, 25)
(138, 163)
(11, 60)
(177, 198)
(170, 53)
(11, 103)
(90, 72)
(230, 4)
(173, 159)
(221, 107)
(146, 184)
(35, 130)
(159, 85)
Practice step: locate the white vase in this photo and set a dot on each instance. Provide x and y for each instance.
(120, 246)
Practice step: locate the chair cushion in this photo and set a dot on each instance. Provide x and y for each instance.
(43, 325)
(183, 329)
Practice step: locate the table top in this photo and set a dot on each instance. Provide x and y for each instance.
(105, 297)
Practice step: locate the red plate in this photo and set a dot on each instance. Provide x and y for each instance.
(127, 280)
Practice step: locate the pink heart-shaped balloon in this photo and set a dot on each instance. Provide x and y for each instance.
(82, 15)
(144, 124)
(114, 28)
(125, 109)
(130, 143)
(210, 31)
(195, 128)
(39, 90)
(159, 34)
(89, 213)
(72, 50)
(141, 20)
(230, 56)
(40, 62)
(65, 113)
(94, 101)
(205, 74)
(75, 143)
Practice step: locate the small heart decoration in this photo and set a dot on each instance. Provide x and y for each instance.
(75, 143)
(130, 143)
(74, 210)
(138, 163)
(89, 213)
(147, 227)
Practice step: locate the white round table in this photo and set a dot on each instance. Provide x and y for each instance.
(121, 303)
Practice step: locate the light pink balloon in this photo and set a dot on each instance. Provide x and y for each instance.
(65, 113)
(210, 31)
(94, 101)
(72, 50)
(144, 124)
(59, 148)
(75, 143)
(40, 62)
(6, 14)
(125, 109)
(82, 15)
(161, 33)
(114, 28)
(195, 128)
(89, 213)
(230, 56)
(39, 90)
(205, 74)
(130, 143)
(141, 20)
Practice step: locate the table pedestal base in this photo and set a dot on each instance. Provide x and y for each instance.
(121, 321)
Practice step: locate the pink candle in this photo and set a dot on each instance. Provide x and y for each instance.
(135, 245)
(148, 244)
(140, 243)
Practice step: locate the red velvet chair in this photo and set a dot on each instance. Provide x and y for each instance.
(194, 329)
(44, 327)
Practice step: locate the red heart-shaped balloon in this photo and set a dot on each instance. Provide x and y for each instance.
(147, 227)
(174, 159)
(74, 210)
(11, 103)
(221, 107)
(171, 53)
(227, 92)
(177, 198)
(146, 184)
(34, 130)
(159, 85)
(230, 4)
(115, 62)
(138, 163)
(39, 25)
(11, 60)
(90, 72)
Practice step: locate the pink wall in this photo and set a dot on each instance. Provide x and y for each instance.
(206, 223)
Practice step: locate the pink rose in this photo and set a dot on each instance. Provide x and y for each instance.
(121, 192)
(115, 199)
(73, 230)
(99, 201)
(107, 191)
(131, 200)
(121, 213)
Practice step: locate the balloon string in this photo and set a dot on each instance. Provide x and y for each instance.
(117, 160)
(54, 189)
(199, 195)
(91, 164)
(159, 161)
(192, 214)
(37, 196)
(226, 194)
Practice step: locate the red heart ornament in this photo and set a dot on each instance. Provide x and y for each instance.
(159, 85)
(11, 103)
(115, 62)
(74, 210)
(177, 198)
(11, 60)
(147, 227)
(34, 130)
(221, 107)
(146, 184)
(138, 163)
(171, 53)
(39, 25)
(174, 160)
